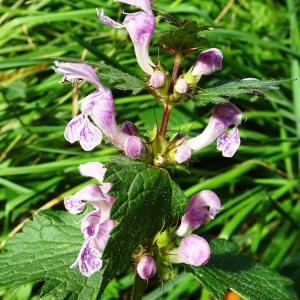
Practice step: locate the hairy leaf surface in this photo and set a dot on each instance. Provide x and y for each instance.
(229, 270)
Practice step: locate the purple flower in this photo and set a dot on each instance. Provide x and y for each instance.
(134, 147)
(97, 106)
(140, 26)
(202, 207)
(183, 153)
(181, 86)
(96, 225)
(91, 193)
(146, 267)
(208, 62)
(224, 115)
(193, 250)
(157, 79)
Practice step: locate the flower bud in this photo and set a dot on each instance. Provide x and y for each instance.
(129, 128)
(134, 147)
(146, 267)
(157, 79)
(208, 62)
(181, 86)
(193, 250)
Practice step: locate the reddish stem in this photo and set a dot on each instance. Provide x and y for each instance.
(177, 61)
(165, 120)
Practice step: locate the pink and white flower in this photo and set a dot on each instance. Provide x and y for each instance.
(97, 110)
(140, 26)
(203, 206)
(224, 116)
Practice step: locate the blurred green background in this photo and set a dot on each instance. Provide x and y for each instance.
(259, 187)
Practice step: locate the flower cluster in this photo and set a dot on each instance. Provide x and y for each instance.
(193, 249)
(97, 117)
(97, 114)
(96, 225)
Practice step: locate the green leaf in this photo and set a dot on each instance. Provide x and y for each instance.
(44, 252)
(142, 207)
(229, 270)
(120, 80)
(222, 92)
(184, 37)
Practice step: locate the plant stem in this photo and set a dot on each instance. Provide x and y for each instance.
(177, 61)
(138, 287)
(165, 120)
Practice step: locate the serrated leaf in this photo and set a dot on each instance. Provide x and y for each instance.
(120, 80)
(179, 201)
(44, 251)
(185, 37)
(222, 92)
(229, 270)
(142, 207)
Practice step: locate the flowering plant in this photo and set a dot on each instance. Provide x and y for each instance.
(133, 213)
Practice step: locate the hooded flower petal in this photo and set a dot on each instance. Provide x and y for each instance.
(229, 142)
(140, 27)
(74, 127)
(157, 79)
(208, 62)
(90, 136)
(224, 115)
(202, 207)
(183, 153)
(134, 147)
(91, 193)
(107, 20)
(146, 267)
(74, 72)
(93, 169)
(144, 5)
(193, 250)
(89, 259)
(74, 205)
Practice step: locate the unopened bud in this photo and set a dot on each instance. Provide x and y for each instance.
(146, 267)
(129, 128)
(134, 147)
(181, 86)
(157, 79)
(208, 62)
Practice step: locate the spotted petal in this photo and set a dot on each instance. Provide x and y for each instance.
(89, 259)
(229, 142)
(90, 136)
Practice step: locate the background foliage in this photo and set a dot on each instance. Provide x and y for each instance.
(259, 187)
